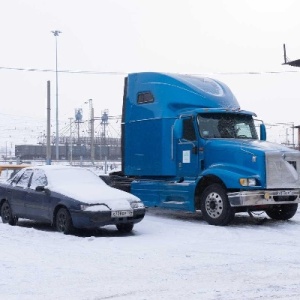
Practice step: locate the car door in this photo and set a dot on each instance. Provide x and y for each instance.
(19, 192)
(38, 200)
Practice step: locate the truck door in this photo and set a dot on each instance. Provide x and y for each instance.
(187, 150)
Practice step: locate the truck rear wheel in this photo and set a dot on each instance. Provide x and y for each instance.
(282, 212)
(215, 206)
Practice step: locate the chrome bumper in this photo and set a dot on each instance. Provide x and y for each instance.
(263, 197)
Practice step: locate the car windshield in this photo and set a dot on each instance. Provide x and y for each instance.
(226, 125)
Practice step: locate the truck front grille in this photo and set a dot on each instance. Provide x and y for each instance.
(281, 170)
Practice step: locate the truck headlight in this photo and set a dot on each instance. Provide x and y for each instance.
(247, 181)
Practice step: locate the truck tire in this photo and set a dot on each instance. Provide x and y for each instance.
(282, 212)
(215, 206)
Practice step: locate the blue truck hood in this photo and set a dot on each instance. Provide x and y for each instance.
(274, 165)
(258, 147)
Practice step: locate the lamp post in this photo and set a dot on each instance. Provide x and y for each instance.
(56, 34)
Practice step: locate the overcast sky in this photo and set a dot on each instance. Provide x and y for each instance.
(237, 41)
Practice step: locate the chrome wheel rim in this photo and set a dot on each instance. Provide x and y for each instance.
(214, 205)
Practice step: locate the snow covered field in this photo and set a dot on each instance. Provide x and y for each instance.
(167, 256)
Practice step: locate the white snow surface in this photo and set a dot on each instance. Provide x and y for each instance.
(169, 255)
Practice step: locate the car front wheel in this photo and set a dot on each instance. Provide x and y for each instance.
(63, 221)
(125, 227)
(6, 214)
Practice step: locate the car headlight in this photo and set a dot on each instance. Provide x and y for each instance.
(248, 181)
(136, 204)
(95, 207)
(84, 206)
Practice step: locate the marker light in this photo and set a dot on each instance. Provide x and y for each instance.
(247, 181)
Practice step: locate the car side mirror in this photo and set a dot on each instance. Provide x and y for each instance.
(41, 188)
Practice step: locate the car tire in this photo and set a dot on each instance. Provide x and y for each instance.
(282, 212)
(215, 207)
(63, 221)
(6, 214)
(125, 228)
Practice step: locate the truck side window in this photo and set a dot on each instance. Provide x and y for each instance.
(145, 97)
(189, 130)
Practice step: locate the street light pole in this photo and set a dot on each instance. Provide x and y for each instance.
(56, 34)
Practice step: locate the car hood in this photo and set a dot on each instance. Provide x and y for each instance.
(94, 194)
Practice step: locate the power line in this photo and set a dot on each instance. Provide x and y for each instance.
(64, 71)
(117, 73)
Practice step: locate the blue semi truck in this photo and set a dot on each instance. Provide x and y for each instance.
(187, 145)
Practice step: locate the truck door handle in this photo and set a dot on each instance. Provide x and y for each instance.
(195, 150)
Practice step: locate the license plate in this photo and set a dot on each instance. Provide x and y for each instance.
(121, 213)
(284, 193)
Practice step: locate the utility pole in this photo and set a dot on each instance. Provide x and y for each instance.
(56, 34)
(92, 136)
(71, 145)
(91, 129)
(48, 151)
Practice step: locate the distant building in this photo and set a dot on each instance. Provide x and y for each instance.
(109, 148)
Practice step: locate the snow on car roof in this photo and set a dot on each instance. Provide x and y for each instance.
(84, 185)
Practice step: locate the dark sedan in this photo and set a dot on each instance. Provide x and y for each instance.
(68, 198)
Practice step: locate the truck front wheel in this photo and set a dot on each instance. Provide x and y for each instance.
(215, 206)
(282, 212)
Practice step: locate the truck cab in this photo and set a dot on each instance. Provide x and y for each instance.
(187, 145)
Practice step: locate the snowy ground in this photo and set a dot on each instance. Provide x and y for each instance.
(167, 256)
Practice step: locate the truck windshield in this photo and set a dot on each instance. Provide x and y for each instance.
(226, 125)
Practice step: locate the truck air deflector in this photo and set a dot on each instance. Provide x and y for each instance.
(183, 92)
